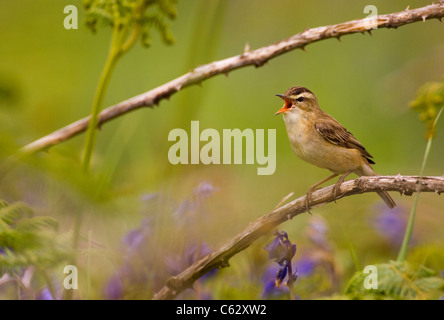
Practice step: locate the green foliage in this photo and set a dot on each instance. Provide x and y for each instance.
(27, 240)
(143, 14)
(431, 256)
(397, 280)
(428, 102)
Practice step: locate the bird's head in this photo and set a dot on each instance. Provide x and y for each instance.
(297, 99)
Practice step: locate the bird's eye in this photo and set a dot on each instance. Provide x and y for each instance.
(300, 99)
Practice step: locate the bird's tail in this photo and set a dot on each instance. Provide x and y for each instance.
(368, 171)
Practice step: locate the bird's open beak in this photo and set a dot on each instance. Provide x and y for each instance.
(286, 105)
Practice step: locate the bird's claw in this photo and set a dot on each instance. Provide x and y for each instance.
(308, 198)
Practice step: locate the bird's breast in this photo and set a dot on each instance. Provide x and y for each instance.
(298, 130)
(311, 147)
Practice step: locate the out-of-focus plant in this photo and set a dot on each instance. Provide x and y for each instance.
(130, 20)
(397, 280)
(147, 261)
(429, 103)
(29, 245)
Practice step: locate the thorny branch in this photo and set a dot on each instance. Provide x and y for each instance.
(256, 57)
(261, 226)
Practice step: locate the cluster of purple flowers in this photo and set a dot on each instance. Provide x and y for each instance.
(146, 263)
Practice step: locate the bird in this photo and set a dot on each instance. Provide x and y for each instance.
(319, 139)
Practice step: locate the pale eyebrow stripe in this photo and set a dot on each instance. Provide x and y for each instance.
(303, 94)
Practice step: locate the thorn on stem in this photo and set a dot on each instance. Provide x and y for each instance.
(247, 47)
(224, 263)
(259, 63)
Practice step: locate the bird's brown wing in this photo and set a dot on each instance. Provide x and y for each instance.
(332, 131)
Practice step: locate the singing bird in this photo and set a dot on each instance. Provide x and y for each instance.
(319, 139)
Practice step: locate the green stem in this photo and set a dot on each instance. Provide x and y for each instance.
(48, 283)
(111, 61)
(88, 266)
(409, 230)
(120, 44)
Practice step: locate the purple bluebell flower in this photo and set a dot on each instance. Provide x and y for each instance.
(271, 291)
(44, 294)
(205, 190)
(306, 266)
(282, 251)
(114, 288)
(317, 232)
(147, 197)
(193, 202)
(390, 224)
(136, 237)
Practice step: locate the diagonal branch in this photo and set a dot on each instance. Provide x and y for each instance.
(257, 58)
(261, 226)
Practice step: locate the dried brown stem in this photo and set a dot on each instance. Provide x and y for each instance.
(257, 58)
(261, 226)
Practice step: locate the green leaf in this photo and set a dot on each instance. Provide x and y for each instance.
(429, 100)
(148, 14)
(397, 280)
(27, 240)
(11, 212)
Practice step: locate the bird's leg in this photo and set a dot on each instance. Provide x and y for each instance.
(313, 188)
(338, 184)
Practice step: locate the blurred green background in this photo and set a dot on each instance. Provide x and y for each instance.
(48, 76)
